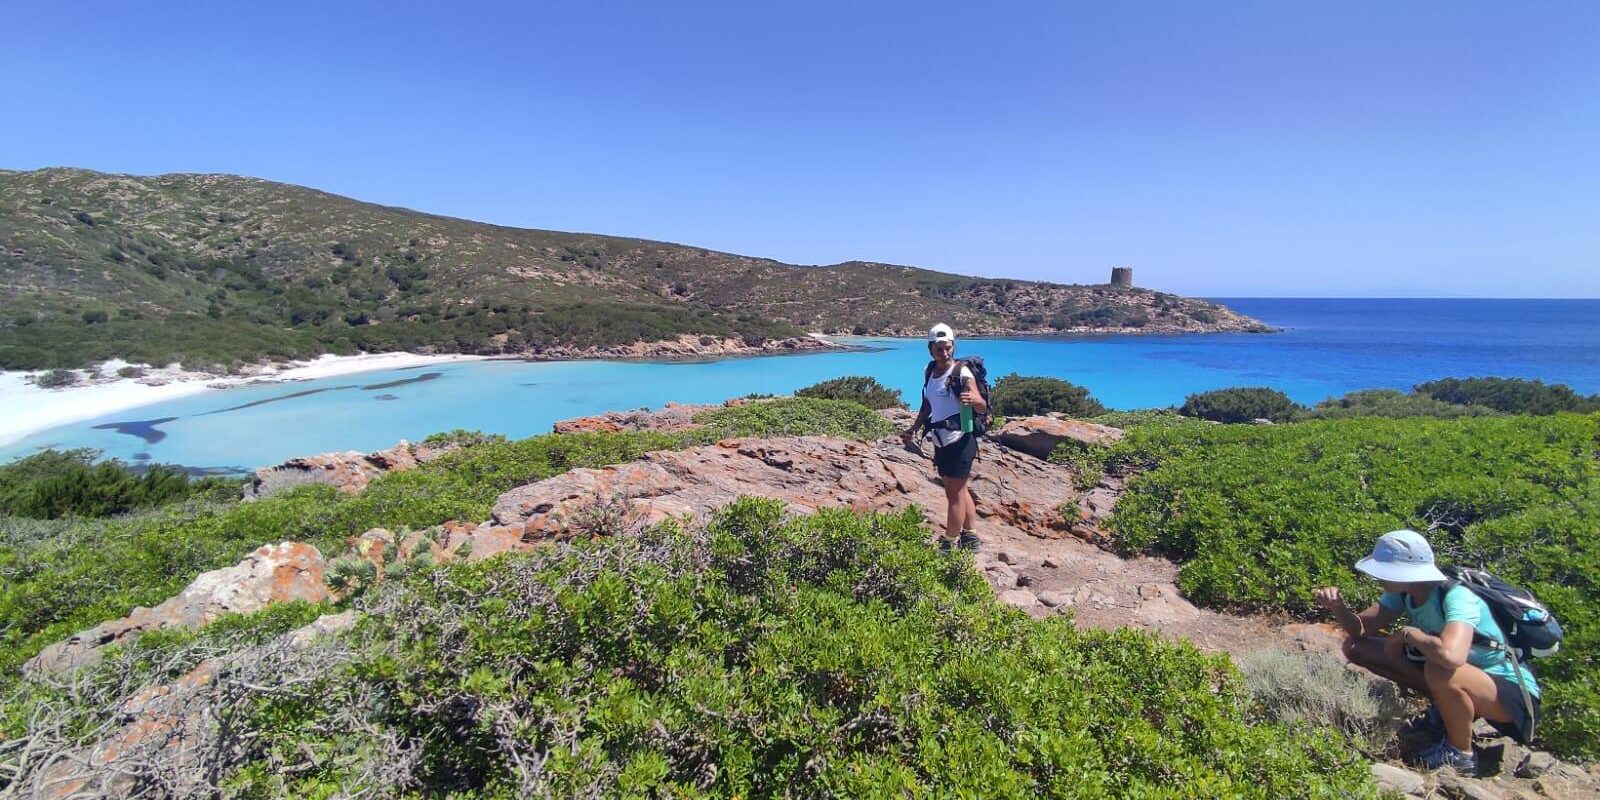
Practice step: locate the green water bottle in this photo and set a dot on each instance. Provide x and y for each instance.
(966, 418)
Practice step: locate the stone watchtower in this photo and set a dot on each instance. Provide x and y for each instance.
(1122, 276)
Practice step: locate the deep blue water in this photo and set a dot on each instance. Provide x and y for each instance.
(1328, 347)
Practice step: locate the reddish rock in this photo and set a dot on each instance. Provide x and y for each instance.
(806, 473)
(348, 472)
(673, 417)
(273, 574)
(1038, 436)
(174, 719)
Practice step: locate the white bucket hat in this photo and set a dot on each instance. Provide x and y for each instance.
(1403, 557)
(941, 333)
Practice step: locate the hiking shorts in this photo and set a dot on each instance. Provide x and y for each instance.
(1521, 725)
(954, 460)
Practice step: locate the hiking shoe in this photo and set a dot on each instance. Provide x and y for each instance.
(968, 541)
(1443, 755)
(945, 545)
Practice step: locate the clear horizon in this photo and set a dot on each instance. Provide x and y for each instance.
(1431, 150)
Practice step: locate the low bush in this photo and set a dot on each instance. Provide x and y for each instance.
(826, 656)
(1018, 396)
(799, 416)
(856, 388)
(1240, 405)
(53, 484)
(56, 378)
(1509, 395)
(63, 578)
(1321, 691)
(1259, 516)
(1394, 404)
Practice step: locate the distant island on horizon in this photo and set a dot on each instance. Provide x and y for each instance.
(218, 271)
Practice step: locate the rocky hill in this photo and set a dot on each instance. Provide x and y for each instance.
(216, 269)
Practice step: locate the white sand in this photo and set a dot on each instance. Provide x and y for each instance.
(26, 408)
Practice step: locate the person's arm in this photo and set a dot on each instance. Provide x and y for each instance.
(1449, 649)
(1366, 623)
(922, 419)
(970, 394)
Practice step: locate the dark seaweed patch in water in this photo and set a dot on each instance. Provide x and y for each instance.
(426, 376)
(209, 472)
(141, 456)
(527, 384)
(387, 397)
(290, 396)
(143, 428)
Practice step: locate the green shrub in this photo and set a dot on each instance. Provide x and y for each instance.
(1394, 404)
(1240, 405)
(835, 655)
(856, 388)
(1259, 516)
(1018, 396)
(131, 371)
(798, 416)
(56, 378)
(1509, 395)
(54, 484)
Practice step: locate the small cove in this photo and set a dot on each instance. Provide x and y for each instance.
(1328, 347)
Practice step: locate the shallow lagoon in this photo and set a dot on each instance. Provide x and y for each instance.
(1329, 347)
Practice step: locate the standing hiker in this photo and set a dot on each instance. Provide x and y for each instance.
(950, 401)
(1453, 651)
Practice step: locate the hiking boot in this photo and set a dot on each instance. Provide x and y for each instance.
(968, 541)
(1443, 755)
(945, 545)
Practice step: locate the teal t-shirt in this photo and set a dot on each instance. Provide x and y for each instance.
(1461, 605)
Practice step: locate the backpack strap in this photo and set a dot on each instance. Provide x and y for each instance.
(1495, 644)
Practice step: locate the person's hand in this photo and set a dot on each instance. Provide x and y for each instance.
(1413, 635)
(971, 397)
(1329, 599)
(906, 436)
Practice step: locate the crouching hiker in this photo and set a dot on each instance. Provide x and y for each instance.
(1453, 651)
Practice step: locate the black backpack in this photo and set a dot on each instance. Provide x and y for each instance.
(1531, 630)
(980, 376)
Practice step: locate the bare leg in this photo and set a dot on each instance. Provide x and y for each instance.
(957, 506)
(970, 521)
(1386, 658)
(1462, 695)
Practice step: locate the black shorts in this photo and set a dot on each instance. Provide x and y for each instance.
(1521, 725)
(955, 459)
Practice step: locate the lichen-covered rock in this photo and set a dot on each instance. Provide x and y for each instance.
(1038, 436)
(272, 574)
(349, 472)
(672, 418)
(806, 473)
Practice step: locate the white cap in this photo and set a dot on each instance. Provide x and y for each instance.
(941, 333)
(1402, 557)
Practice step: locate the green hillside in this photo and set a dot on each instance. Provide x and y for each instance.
(218, 269)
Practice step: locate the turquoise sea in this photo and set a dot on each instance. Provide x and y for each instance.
(1327, 348)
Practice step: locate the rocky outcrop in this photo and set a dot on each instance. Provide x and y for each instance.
(1038, 436)
(348, 472)
(687, 346)
(806, 473)
(169, 729)
(272, 574)
(673, 417)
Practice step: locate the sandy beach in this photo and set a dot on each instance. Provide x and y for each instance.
(26, 408)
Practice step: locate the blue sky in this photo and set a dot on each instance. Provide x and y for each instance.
(1220, 148)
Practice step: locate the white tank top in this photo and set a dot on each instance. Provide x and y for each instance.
(942, 403)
